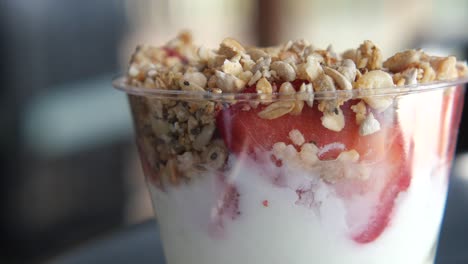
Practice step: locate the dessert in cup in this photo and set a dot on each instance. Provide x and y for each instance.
(295, 154)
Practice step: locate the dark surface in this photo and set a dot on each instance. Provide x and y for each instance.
(46, 45)
(140, 243)
(454, 236)
(137, 244)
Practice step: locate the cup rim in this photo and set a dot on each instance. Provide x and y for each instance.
(120, 83)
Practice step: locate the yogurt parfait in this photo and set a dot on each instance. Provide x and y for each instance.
(295, 154)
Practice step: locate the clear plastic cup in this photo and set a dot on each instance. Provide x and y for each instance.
(235, 180)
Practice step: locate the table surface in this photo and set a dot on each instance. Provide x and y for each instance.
(140, 243)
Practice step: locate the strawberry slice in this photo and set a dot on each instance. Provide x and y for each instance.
(389, 176)
(244, 131)
(369, 202)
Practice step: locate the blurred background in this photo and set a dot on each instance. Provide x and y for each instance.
(69, 170)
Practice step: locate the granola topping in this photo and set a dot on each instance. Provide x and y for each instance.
(180, 137)
(369, 125)
(232, 68)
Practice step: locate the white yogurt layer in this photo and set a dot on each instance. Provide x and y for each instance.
(284, 229)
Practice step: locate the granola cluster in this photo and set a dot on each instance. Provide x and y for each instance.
(179, 134)
(232, 68)
(177, 138)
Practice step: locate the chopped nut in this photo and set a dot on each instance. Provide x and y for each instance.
(212, 82)
(272, 51)
(348, 69)
(333, 120)
(317, 57)
(368, 56)
(445, 68)
(289, 153)
(255, 78)
(323, 83)
(296, 137)
(264, 87)
(278, 149)
(284, 70)
(216, 61)
(267, 74)
(134, 72)
(196, 78)
(310, 70)
(308, 153)
(202, 139)
(360, 110)
(351, 155)
(256, 53)
(309, 50)
(400, 82)
(232, 67)
(299, 46)
(289, 57)
(262, 64)
(325, 57)
(186, 161)
(228, 82)
(410, 76)
(345, 166)
(188, 86)
(306, 94)
(298, 106)
(462, 68)
(374, 80)
(403, 60)
(246, 76)
(149, 83)
(286, 90)
(340, 79)
(216, 91)
(429, 74)
(369, 126)
(277, 109)
(247, 63)
(181, 112)
(151, 73)
(230, 47)
(172, 61)
(206, 54)
(284, 152)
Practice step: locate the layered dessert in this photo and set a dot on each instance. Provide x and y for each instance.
(295, 154)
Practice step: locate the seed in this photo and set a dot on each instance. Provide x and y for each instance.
(195, 131)
(213, 156)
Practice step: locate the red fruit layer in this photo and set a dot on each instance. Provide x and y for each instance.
(246, 133)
